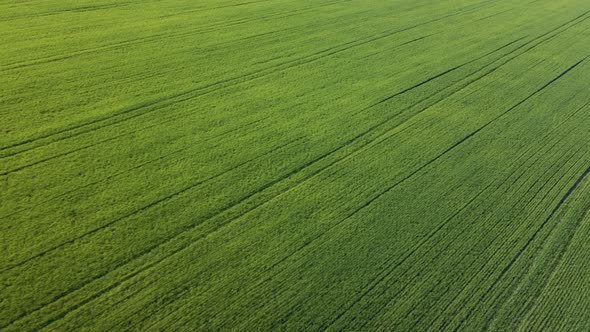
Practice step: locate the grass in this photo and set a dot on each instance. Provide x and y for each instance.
(294, 165)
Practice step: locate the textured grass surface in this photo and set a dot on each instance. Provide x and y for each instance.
(294, 164)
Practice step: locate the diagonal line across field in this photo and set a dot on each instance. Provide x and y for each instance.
(294, 165)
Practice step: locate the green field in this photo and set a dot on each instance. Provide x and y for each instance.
(298, 165)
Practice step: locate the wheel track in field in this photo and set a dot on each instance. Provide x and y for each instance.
(142, 40)
(529, 202)
(408, 255)
(491, 243)
(406, 258)
(187, 32)
(533, 198)
(385, 273)
(143, 164)
(134, 131)
(68, 153)
(462, 141)
(165, 102)
(160, 36)
(150, 249)
(194, 10)
(169, 254)
(515, 181)
(462, 231)
(495, 68)
(497, 199)
(319, 236)
(554, 266)
(79, 9)
(151, 204)
(77, 149)
(495, 14)
(121, 264)
(526, 245)
(171, 119)
(378, 102)
(388, 270)
(487, 247)
(242, 200)
(584, 215)
(348, 142)
(389, 118)
(241, 4)
(145, 108)
(535, 234)
(527, 217)
(545, 222)
(184, 33)
(360, 111)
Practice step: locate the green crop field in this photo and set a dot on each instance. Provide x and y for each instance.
(297, 165)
